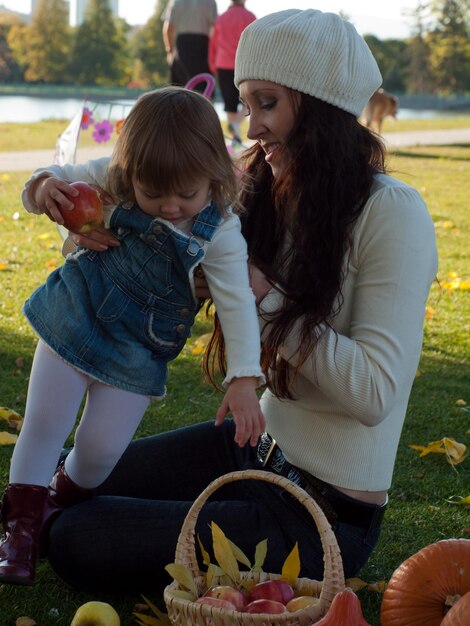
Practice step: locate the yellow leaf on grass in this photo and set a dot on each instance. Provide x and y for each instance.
(12, 418)
(7, 439)
(25, 621)
(183, 575)
(455, 452)
(3, 266)
(356, 584)
(160, 619)
(223, 553)
(459, 500)
(200, 344)
(291, 568)
(460, 402)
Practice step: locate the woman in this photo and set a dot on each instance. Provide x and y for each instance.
(343, 257)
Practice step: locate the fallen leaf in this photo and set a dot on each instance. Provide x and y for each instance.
(455, 452)
(460, 402)
(25, 621)
(12, 418)
(459, 500)
(356, 584)
(7, 439)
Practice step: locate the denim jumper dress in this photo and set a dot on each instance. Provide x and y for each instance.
(122, 314)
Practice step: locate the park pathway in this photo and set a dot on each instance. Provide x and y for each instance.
(31, 159)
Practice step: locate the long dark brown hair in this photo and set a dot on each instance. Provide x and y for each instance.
(317, 199)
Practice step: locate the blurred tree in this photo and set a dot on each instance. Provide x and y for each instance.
(391, 57)
(148, 47)
(450, 45)
(419, 73)
(9, 68)
(100, 54)
(42, 48)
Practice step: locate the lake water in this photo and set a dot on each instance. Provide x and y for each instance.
(31, 109)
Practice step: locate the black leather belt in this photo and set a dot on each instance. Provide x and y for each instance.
(336, 505)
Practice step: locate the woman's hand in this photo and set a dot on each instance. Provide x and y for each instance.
(241, 400)
(200, 284)
(99, 239)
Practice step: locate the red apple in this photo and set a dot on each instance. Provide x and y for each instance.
(265, 606)
(226, 592)
(217, 602)
(87, 213)
(278, 590)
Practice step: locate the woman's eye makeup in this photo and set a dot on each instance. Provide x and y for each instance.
(267, 106)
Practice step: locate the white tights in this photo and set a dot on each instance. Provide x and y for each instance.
(109, 420)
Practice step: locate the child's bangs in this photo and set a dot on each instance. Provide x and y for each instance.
(170, 161)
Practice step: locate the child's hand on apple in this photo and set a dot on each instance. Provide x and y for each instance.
(242, 401)
(52, 193)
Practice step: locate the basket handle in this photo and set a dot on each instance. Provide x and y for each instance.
(333, 579)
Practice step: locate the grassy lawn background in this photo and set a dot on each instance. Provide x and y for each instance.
(419, 511)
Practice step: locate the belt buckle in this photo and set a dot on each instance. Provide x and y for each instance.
(272, 447)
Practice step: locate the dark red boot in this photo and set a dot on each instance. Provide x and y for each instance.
(21, 515)
(62, 493)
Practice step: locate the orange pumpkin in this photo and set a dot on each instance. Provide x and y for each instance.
(418, 588)
(345, 610)
(459, 614)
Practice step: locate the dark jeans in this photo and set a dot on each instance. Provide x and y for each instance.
(122, 538)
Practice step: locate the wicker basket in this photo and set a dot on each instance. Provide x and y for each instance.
(187, 613)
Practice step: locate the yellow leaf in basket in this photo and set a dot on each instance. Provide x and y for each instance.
(206, 559)
(260, 555)
(182, 575)
(291, 567)
(214, 571)
(223, 553)
(239, 554)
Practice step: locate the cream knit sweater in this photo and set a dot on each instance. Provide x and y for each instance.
(344, 426)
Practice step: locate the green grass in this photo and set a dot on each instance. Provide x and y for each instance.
(419, 513)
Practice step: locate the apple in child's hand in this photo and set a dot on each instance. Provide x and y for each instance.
(87, 213)
(217, 602)
(226, 592)
(278, 590)
(96, 614)
(265, 606)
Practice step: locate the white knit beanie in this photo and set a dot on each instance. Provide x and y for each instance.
(317, 53)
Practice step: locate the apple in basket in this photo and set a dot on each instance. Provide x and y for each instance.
(265, 606)
(226, 592)
(278, 590)
(87, 213)
(301, 602)
(217, 602)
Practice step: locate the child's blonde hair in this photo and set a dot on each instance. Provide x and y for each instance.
(172, 136)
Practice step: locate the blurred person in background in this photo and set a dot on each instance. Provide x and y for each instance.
(224, 39)
(186, 28)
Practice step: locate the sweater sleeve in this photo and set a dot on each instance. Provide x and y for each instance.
(226, 270)
(92, 172)
(363, 364)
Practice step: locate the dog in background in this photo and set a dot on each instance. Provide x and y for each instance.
(381, 105)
